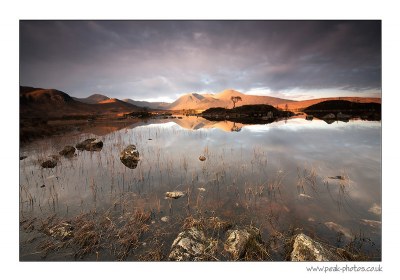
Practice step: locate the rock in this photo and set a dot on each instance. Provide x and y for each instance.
(174, 194)
(329, 116)
(91, 144)
(309, 117)
(339, 177)
(305, 196)
(242, 241)
(201, 189)
(202, 158)
(51, 163)
(130, 157)
(372, 223)
(165, 219)
(306, 249)
(190, 245)
(376, 209)
(68, 151)
(22, 157)
(62, 231)
(339, 229)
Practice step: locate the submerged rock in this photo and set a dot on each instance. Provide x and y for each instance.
(50, 163)
(165, 219)
(91, 144)
(339, 177)
(130, 157)
(372, 223)
(339, 229)
(68, 151)
(242, 241)
(376, 209)
(305, 196)
(190, 245)
(202, 158)
(306, 249)
(174, 194)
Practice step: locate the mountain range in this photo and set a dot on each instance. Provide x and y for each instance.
(54, 103)
(223, 99)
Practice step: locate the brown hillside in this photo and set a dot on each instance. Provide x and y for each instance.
(299, 105)
(222, 99)
(55, 104)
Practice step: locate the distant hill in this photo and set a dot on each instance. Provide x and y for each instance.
(52, 103)
(343, 106)
(300, 105)
(246, 114)
(245, 109)
(345, 109)
(150, 105)
(195, 101)
(93, 99)
(29, 95)
(223, 99)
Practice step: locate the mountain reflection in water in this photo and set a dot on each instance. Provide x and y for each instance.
(293, 174)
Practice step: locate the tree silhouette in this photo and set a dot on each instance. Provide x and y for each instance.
(235, 99)
(235, 128)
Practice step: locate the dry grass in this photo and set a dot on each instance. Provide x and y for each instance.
(206, 223)
(90, 233)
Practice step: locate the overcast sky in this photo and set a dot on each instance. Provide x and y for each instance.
(161, 60)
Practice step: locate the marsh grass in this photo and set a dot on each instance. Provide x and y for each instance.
(91, 233)
(112, 208)
(307, 177)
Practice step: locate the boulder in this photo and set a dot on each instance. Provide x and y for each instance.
(202, 158)
(190, 245)
(130, 157)
(306, 249)
(174, 194)
(22, 157)
(68, 151)
(91, 144)
(242, 241)
(50, 163)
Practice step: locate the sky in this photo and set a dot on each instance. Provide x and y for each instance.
(161, 60)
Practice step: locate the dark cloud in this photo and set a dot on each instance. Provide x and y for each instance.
(150, 59)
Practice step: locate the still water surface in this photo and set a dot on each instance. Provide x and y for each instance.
(278, 176)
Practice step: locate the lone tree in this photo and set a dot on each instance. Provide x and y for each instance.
(235, 99)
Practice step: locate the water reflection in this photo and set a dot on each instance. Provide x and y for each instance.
(324, 179)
